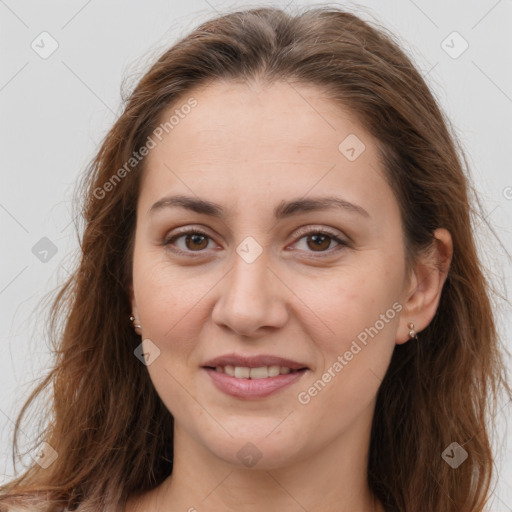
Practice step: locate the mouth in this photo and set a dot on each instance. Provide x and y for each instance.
(261, 372)
(253, 377)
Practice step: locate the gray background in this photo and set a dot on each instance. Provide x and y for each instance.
(56, 110)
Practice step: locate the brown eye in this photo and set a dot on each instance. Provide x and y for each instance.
(316, 241)
(195, 241)
(319, 242)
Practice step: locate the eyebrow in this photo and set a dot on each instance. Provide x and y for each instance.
(282, 210)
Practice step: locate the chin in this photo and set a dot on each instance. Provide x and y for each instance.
(259, 450)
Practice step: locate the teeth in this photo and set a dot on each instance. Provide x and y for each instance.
(241, 372)
(263, 372)
(274, 371)
(259, 373)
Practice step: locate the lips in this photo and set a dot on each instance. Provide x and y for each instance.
(253, 377)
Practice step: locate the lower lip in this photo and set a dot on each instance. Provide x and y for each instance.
(252, 388)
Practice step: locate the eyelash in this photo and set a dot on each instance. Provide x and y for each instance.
(303, 233)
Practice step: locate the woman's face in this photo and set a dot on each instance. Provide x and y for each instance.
(266, 270)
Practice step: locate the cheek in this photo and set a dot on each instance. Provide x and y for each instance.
(168, 301)
(169, 306)
(355, 361)
(359, 312)
(355, 301)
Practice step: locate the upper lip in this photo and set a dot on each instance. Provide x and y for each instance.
(253, 361)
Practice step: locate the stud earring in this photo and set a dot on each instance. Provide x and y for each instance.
(412, 332)
(137, 326)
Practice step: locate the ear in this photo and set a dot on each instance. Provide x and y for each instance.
(423, 291)
(135, 311)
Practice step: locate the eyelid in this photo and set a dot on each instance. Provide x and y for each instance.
(167, 242)
(313, 229)
(298, 234)
(330, 232)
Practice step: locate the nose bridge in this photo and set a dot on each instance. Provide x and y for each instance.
(250, 296)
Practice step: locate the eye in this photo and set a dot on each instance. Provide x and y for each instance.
(319, 241)
(194, 240)
(316, 241)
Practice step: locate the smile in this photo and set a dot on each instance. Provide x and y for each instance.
(248, 387)
(262, 372)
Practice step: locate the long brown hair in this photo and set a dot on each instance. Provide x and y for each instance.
(112, 433)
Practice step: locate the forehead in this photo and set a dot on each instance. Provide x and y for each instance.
(282, 138)
(279, 118)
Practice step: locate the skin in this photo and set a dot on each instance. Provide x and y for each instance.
(248, 147)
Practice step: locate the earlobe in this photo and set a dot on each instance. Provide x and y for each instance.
(421, 299)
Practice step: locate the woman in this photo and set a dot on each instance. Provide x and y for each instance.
(279, 304)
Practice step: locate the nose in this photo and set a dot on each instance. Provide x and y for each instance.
(252, 298)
